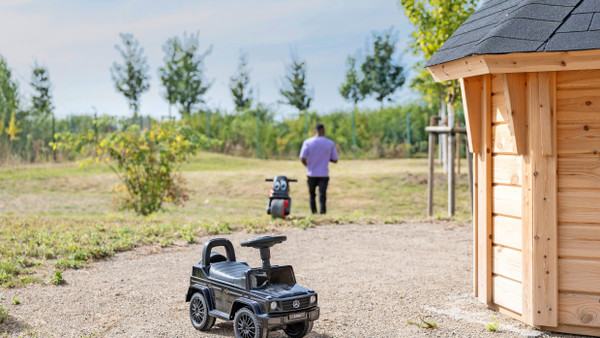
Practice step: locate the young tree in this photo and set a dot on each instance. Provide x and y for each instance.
(295, 89)
(131, 78)
(42, 87)
(382, 72)
(239, 84)
(191, 84)
(42, 106)
(170, 72)
(354, 89)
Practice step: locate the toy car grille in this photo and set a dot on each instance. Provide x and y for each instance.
(288, 305)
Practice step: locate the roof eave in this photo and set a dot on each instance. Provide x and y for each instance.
(515, 63)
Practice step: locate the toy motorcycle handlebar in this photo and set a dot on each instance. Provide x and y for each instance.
(289, 180)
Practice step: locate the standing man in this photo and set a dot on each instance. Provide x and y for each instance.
(316, 153)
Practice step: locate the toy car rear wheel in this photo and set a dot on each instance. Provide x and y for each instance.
(298, 330)
(278, 208)
(199, 316)
(246, 325)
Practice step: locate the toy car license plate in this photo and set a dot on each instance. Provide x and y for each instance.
(297, 315)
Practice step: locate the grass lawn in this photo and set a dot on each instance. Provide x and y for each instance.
(58, 216)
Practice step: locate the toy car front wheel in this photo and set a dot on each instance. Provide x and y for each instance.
(298, 330)
(246, 325)
(199, 312)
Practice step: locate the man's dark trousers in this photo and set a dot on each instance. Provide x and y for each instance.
(313, 183)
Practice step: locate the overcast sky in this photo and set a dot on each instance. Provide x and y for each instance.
(75, 39)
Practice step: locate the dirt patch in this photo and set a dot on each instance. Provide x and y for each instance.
(371, 279)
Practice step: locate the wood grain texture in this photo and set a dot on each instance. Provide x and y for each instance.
(543, 202)
(472, 95)
(507, 232)
(581, 330)
(578, 79)
(503, 140)
(579, 276)
(575, 309)
(579, 241)
(578, 104)
(579, 172)
(516, 63)
(507, 200)
(515, 94)
(507, 169)
(475, 226)
(579, 138)
(484, 200)
(507, 263)
(543, 62)
(466, 67)
(507, 293)
(578, 207)
(547, 89)
(527, 220)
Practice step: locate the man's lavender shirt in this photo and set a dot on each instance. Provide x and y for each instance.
(318, 151)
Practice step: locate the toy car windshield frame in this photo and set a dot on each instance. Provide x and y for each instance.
(259, 278)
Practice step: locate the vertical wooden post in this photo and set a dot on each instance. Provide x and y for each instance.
(451, 187)
(474, 210)
(470, 178)
(430, 175)
(484, 197)
(458, 137)
(526, 218)
(544, 205)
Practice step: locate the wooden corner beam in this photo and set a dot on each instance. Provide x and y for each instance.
(515, 93)
(472, 95)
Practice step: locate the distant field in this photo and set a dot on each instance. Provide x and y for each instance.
(62, 214)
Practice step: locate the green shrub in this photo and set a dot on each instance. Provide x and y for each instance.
(146, 162)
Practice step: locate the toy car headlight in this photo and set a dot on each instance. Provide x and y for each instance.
(276, 185)
(283, 185)
(273, 306)
(313, 299)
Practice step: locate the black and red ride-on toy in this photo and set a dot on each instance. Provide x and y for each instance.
(280, 202)
(258, 300)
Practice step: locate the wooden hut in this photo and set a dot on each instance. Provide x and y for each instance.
(530, 77)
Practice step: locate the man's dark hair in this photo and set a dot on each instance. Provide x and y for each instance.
(320, 127)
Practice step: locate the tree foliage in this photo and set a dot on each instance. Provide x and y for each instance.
(295, 87)
(435, 21)
(169, 72)
(131, 78)
(239, 84)
(383, 74)
(9, 95)
(183, 73)
(355, 87)
(42, 97)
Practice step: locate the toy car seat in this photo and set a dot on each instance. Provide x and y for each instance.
(225, 269)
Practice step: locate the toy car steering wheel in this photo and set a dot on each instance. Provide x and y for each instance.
(264, 244)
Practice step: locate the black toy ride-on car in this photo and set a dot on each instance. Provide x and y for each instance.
(258, 300)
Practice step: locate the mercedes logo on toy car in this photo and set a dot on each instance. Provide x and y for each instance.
(258, 300)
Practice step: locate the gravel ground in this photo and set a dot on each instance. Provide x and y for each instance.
(371, 279)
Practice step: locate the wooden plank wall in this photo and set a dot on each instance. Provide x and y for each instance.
(506, 207)
(578, 129)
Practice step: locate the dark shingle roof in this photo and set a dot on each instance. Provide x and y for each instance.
(521, 26)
